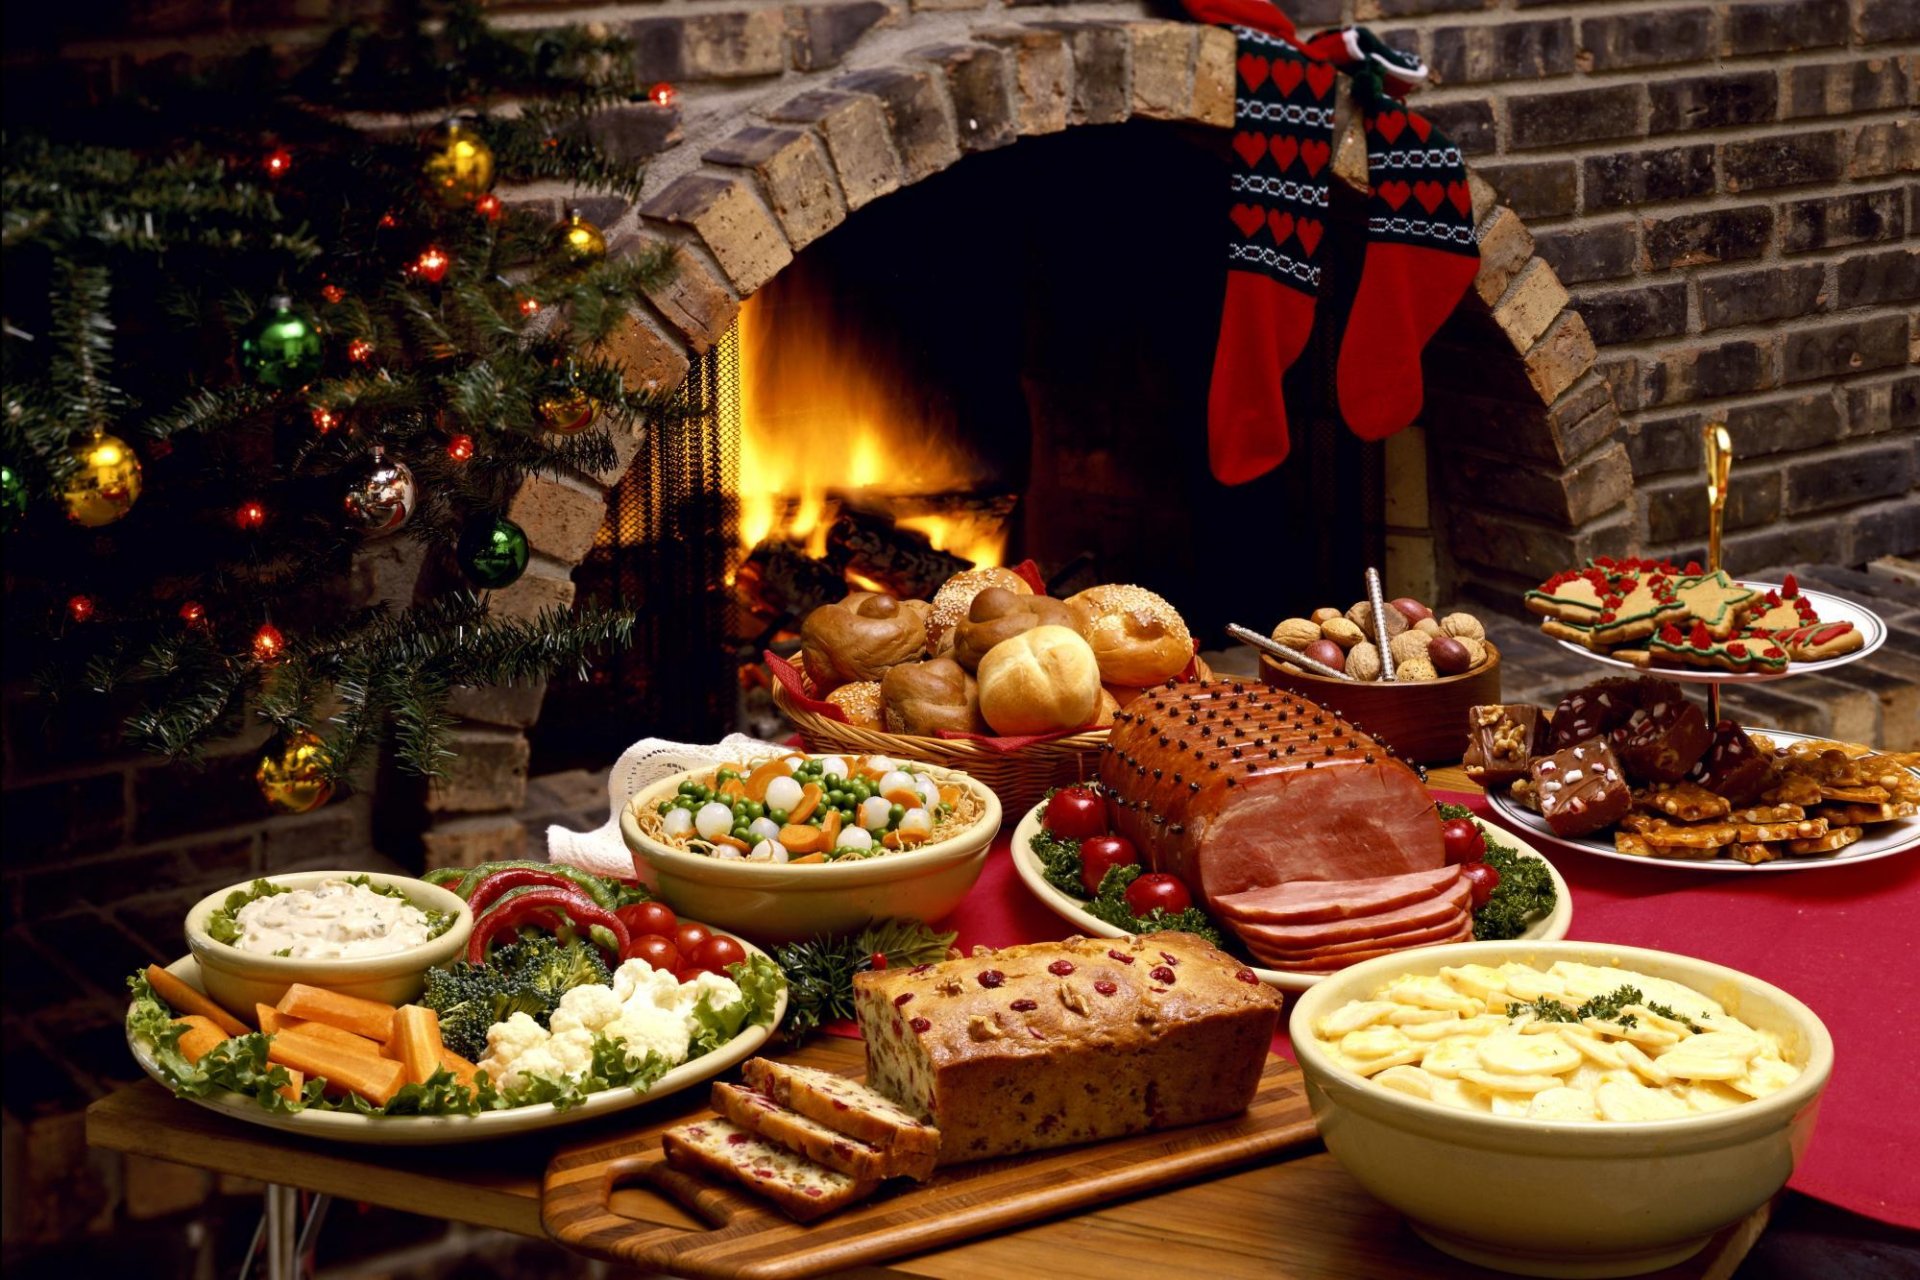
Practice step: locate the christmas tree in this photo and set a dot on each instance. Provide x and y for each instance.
(244, 337)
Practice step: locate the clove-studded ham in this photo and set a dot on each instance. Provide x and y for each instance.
(1313, 901)
(1235, 786)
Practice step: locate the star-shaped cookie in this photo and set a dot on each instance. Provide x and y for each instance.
(1716, 601)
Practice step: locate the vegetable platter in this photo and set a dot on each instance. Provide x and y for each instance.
(579, 997)
(1532, 903)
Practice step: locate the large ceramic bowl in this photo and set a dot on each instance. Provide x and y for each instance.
(773, 903)
(1566, 1199)
(237, 980)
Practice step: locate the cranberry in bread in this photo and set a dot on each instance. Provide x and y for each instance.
(761, 1115)
(802, 1189)
(849, 1107)
(1049, 1044)
(1236, 786)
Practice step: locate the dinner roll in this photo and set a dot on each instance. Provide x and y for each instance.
(1040, 681)
(998, 614)
(1138, 638)
(859, 639)
(861, 703)
(923, 698)
(955, 597)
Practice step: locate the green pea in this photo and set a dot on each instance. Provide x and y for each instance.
(725, 775)
(662, 807)
(895, 813)
(778, 815)
(688, 787)
(756, 810)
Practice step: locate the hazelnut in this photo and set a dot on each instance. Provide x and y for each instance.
(1463, 625)
(1342, 632)
(1297, 633)
(1327, 652)
(1409, 645)
(1415, 669)
(1322, 615)
(1363, 661)
(1448, 656)
(1430, 626)
(1410, 609)
(1361, 616)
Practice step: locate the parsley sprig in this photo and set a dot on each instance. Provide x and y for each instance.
(1607, 1008)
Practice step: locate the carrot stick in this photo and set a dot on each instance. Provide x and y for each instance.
(333, 1035)
(296, 1080)
(268, 1017)
(375, 1079)
(201, 1035)
(184, 1000)
(416, 1034)
(463, 1071)
(368, 1018)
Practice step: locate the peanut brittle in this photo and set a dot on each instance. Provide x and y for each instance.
(1766, 832)
(1841, 815)
(1752, 854)
(1688, 801)
(1636, 845)
(1706, 835)
(1834, 840)
(1768, 813)
(1856, 795)
(1793, 788)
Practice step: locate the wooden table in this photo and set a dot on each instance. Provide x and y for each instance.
(1301, 1217)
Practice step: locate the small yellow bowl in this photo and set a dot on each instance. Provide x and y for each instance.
(237, 980)
(1543, 1198)
(773, 903)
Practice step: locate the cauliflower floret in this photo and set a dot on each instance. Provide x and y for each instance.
(645, 1028)
(636, 979)
(507, 1041)
(572, 1051)
(588, 1008)
(720, 992)
(538, 1060)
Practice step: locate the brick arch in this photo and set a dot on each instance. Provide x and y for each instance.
(733, 212)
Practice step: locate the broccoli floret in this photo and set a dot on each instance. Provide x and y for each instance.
(521, 977)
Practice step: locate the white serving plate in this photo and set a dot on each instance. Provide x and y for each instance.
(425, 1131)
(1027, 864)
(1881, 840)
(1830, 609)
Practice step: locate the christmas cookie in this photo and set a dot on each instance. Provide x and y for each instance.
(1633, 605)
(1697, 647)
(1783, 610)
(1812, 643)
(1716, 601)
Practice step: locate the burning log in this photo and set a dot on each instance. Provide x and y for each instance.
(780, 580)
(870, 547)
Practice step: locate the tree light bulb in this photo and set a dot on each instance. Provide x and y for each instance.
(80, 608)
(251, 514)
(268, 643)
(278, 163)
(460, 447)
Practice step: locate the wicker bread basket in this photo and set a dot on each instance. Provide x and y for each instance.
(1019, 777)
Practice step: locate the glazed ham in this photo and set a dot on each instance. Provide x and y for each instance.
(1312, 901)
(1236, 787)
(1296, 937)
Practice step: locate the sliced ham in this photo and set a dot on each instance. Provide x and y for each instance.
(1317, 901)
(1405, 938)
(1299, 937)
(1326, 964)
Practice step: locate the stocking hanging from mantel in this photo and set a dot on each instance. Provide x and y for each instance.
(1421, 253)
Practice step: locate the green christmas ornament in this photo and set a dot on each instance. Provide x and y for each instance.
(283, 352)
(13, 497)
(493, 552)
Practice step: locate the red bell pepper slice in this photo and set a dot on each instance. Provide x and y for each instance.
(537, 905)
(491, 888)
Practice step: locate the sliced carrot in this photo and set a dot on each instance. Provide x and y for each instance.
(809, 801)
(731, 842)
(830, 829)
(891, 840)
(333, 1035)
(375, 1079)
(811, 857)
(296, 1081)
(183, 999)
(416, 1033)
(201, 1035)
(766, 772)
(734, 789)
(463, 1071)
(367, 1018)
(802, 839)
(906, 797)
(949, 794)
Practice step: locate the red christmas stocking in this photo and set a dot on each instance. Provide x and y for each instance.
(1421, 256)
(1282, 146)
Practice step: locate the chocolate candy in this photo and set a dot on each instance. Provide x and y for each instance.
(1502, 741)
(1594, 710)
(1732, 765)
(1581, 789)
(1664, 736)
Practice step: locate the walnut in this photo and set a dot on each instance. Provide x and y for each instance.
(984, 1026)
(1361, 616)
(1071, 998)
(1463, 626)
(1409, 645)
(1297, 633)
(1322, 616)
(1429, 626)
(1415, 669)
(949, 986)
(1476, 650)
(1363, 661)
(1341, 632)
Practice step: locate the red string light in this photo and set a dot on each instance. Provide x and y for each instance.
(388, 222)
(460, 447)
(251, 514)
(278, 163)
(268, 644)
(488, 206)
(432, 265)
(80, 608)
(193, 613)
(324, 419)
(529, 306)
(662, 94)
(359, 351)
(333, 293)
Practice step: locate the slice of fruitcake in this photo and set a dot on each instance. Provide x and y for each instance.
(849, 1107)
(800, 1188)
(761, 1115)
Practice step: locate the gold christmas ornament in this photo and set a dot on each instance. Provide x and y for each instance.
(567, 414)
(106, 483)
(581, 243)
(459, 164)
(292, 774)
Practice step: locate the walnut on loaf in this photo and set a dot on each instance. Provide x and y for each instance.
(1049, 1044)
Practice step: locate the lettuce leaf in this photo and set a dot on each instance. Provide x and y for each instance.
(237, 1065)
(222, 925)
(761, 982)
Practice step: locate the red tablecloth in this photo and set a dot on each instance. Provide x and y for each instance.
(1842, 939)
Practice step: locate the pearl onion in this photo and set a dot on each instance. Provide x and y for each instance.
(917, 824)
(679, 823)
(727, 853)
(833, 767)
(713, 821)
(763, 829)
(929, 790)
(895, 780)
(855, 838)
(874, 811)
(768, 851)
(783, 793)
(879, 764)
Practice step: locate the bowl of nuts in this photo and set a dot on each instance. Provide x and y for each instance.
(1440, 665)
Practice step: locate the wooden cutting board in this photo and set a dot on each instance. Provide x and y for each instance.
(746, 1238)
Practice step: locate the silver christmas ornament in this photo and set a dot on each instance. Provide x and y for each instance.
(380, 494)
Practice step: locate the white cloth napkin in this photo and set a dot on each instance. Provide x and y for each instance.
(602, 851)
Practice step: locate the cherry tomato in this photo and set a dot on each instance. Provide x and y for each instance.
(1075, 813)
(1482, 879)
(719, 951)
(690, 937)
(1098, 853)
(656, 950)
(649, 917)
(1157, 889)
(689, 973)
(1464, 840)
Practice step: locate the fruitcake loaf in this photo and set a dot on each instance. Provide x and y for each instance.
(761, 1115)
(849, 1107)
(800, 1188)
(1054, 1043)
